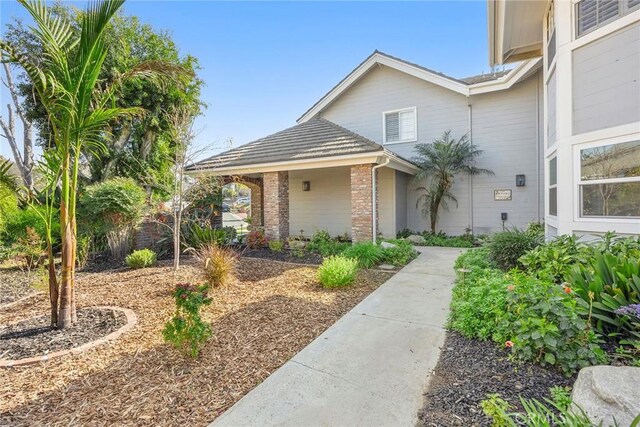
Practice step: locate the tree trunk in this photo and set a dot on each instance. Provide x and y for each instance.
(53, 285)
(66, 281)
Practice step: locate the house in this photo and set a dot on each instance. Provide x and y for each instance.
(356, 143)
(560, 130)
(590, 52)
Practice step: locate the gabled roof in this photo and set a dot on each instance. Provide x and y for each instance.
(315, 139)
(466, 86)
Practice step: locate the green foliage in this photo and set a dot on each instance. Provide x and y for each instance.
(186, 331)
(113, 204)
(141, 259)
(404, 233)
(276, 245)
(367, 254)
(441, 239)
(197, 236)
(337, 271)
(327, 248)
(320, 236)
(555, 258)
(400, 255)
(607, 283)
(83, 250)
(28, 248)
(474, 259)
(255, 239)
(506, 247)
(17, 223)
(552, 412)
(561, 396)
(439, 163)
(218, 264)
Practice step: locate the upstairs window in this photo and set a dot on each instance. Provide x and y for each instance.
(551, 34)
(592, 14)
(400, 126)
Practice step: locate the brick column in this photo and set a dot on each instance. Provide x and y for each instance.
(276, 204)
(256, 204)
(361, 203)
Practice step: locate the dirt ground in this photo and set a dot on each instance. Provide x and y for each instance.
(260, 320)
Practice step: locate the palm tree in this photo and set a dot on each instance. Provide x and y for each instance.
(79, 108)
(439, 163)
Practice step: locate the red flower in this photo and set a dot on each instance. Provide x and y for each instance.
(511, 288)
(567, 290)
(508, 344)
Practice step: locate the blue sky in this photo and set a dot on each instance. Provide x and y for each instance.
(266, 63)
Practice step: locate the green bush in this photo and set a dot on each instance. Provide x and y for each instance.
(8, 207)
(197, 236)
(556, 258)
(441, 239)
(337, 271)
(141, 259)
(276, 245)
(367, 254)
(320, 236)
(404, 233)
(19, 221)
(186, 331)
(506, 247)
(327, 248)
(605, 285)
(400, 255)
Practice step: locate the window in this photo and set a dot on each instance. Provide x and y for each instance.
(551, 34)
(553, 186)
(610, 180)
(400, 125)
(592, 14)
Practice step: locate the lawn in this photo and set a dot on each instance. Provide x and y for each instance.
(262, 318)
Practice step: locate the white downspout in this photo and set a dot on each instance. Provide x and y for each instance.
(374, 192)
(470, 176)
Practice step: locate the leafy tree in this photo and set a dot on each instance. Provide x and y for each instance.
(439, 163)
(79, 109)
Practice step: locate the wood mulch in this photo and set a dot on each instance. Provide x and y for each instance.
(261, 319)
(15, 284)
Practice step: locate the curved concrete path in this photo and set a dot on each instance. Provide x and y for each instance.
(371, 367)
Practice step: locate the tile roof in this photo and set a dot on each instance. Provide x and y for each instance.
(313, 139)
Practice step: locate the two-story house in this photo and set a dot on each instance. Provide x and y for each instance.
(559, 130)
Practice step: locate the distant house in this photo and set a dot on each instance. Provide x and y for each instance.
(591, 92)
(354, 146)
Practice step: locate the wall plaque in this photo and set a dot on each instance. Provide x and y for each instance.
(501, 195)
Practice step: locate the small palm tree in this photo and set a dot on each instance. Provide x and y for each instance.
(439, 163)
(79, 108)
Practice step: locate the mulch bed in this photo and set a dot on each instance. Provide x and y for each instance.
(15, 284)
(286, 255)
(469, 370)
(36, 337)
(268, 313)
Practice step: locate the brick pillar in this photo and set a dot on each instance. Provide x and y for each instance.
(276, 204)
(256, 205)
(361, 204)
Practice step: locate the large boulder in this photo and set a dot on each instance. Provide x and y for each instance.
(387, 245)
(416, 239)
(608, 392)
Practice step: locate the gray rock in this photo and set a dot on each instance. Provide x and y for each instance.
(608, 392)
(416, 239)
(387, 245)
(386, 267)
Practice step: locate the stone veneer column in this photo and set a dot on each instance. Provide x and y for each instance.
(256, 205)
(276, 204)
(361, 203)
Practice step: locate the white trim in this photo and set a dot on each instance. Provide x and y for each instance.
(400, 110)
(317, 163)
(378, 58)
(621, 20)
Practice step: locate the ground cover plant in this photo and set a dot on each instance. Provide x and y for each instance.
(337, 271)
(439, 239)
(141, 259)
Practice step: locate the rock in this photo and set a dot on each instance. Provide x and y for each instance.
(416, 239)
(387, 245)
(386, 267)
(608, 392)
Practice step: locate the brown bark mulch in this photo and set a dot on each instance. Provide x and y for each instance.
(36, 337)
(259, 321)
(15, 284)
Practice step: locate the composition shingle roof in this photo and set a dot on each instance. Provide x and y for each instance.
(313, 139)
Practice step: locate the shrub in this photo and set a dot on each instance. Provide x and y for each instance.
(276, 245)
(555, 258)
(320, 236)
(17, 223)
(402, 254)
(506, 247)
(141, 259)
(218, 264)
(337, 271)
(114, 208)
(8, 206)
(29, 248)
(404, 233)
(474, 258)
(327, 248)
(256, 239)
(367, 254)
(605, 285)
(186, 331)
(230, 234)
(198, 236)
(441, 239)
(83, 250)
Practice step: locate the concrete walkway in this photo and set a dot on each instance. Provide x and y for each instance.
(370, 368)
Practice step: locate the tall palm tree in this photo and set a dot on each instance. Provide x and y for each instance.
(79, 108)
(439, 163)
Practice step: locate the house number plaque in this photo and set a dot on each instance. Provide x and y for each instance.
(501, 195)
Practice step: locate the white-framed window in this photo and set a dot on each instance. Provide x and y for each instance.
(592, 14)
(553, 186)
(609, 181)
(400, 125)
(551, 34)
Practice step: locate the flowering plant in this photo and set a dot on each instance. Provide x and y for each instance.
(186, 331)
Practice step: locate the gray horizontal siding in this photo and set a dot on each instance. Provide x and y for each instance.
(606, 81)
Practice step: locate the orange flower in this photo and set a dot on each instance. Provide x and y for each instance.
(567, 290)
(511, 288)
(508, 344)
